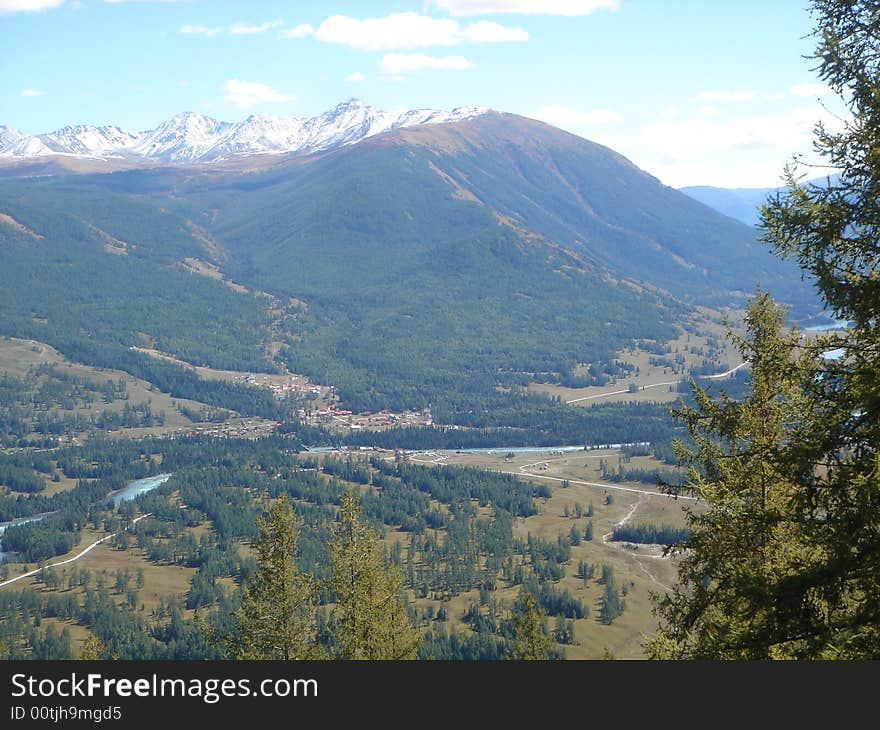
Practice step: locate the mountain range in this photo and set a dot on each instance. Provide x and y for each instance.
(196, 138)
(444, 262)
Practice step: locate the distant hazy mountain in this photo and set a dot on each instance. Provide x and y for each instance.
(191, 137)
(740, 203)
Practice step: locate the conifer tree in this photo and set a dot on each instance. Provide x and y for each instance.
(612, 604)
(745, 541)
(92, 649)
(785, 563)
(532, 639)
(370, 616)
(833, 232)
(276, 616)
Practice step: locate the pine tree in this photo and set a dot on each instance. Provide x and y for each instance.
(276, 616)
(532, 639)
(612, 604)
(92, 649)
(370, 616)
(747, 542)
(786, 561)
(833, 233)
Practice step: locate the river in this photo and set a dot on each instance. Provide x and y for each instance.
(544, 449)
(838, 324)
(137, 488)
(127, 493)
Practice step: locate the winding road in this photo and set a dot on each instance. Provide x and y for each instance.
(656, 385)
(606, 540)
(70, 560)
(442, 461)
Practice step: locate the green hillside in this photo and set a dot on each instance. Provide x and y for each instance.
(593, 200)
(416, 295)
(444, 265)
(94, 273)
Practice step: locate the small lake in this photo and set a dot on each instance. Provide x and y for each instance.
(127, 493)
(137, 488)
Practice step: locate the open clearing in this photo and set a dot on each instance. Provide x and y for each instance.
(658, 382)
(18, 356)
(639, 569)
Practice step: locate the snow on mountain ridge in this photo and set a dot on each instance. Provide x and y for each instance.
(87, 140)
(183, 138)
(193, 137)
(15, 144)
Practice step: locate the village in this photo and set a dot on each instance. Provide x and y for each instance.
(320, 405)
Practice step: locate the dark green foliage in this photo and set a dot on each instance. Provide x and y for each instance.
(531, 637)
(654, 534)
(783, 563)
(613, 605)
(65, 289)
(556, 602)
(452, 484)
(533, 420)
(450, 549)
(564, 631)
(437, 645)
(588, 531)
(36, 541)
(17, 474)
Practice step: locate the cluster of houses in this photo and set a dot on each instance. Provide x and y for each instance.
(243, 429)
(295, 386)
(287, 388)
(366, 419)
(333, 410)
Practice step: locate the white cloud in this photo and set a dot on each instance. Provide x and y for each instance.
(403, 31)
(356, 76)
(397, 31)
(24, 6)
(244, 94)
(301, 31)
(397, 64)
(727, 96)
(485, 31)
(32, 92)
(526, 7)
(563, 116)
(707, 112)
(810, 90)
(201, 29)
(244, 29)
(729, 152)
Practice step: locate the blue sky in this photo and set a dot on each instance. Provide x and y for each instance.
(694, 92)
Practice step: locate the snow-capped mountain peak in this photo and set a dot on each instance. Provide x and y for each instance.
(184, 137)
(86, 140)
(192, 137)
